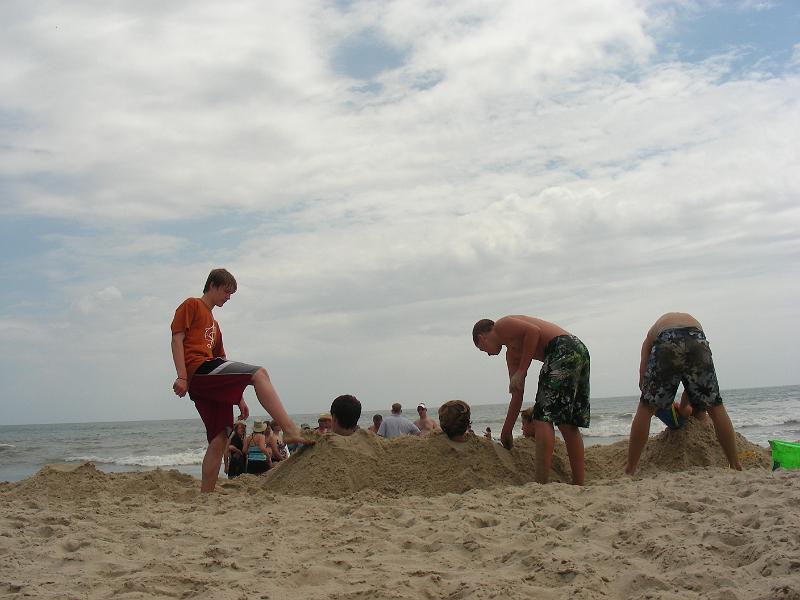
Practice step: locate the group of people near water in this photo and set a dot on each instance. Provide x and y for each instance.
(675, 350)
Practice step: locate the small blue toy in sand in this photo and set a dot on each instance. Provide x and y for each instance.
(671, 417)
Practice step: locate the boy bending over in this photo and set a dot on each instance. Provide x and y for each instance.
(676, 350)
(562, 397)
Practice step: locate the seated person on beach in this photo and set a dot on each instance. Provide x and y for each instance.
(323, 423)
(214, 383)
(259, 454)
(425, 424)
(273, 443)
(528, 428)
(396, 424)
(488, 433)
(235, 460)
(562, 397)
(376, 424)
(345, 413)
(277, 430)
(454, 419)
(675, 350)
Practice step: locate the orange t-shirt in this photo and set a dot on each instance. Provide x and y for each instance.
(203, 339)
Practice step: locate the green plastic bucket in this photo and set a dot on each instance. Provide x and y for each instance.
(785, 455)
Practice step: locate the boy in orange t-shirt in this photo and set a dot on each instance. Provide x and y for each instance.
(214, 383)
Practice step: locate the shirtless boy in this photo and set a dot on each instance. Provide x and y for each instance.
(676, 350)
(425, 424)
(214, 383)
(562, 397)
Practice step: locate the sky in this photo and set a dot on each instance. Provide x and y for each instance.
(380, 175)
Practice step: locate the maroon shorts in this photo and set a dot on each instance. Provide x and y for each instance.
(216, 387)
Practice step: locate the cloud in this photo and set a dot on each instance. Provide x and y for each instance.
(88, 304)
(553, 160)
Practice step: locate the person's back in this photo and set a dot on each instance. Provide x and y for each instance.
(396, 425)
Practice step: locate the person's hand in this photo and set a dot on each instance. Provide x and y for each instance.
(507, 438)
(517, 382)
(180, 386)
(244, 411)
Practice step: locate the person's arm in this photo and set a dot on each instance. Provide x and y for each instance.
(685, 408)
(181, 384)
(527, 335)
(413, 429)
(507, 434)
(382, 429)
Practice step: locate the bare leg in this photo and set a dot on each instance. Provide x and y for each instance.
(724, 430)
(640, 429)
(545, 439)
(574, 441)
(212, 461)
(269, 399)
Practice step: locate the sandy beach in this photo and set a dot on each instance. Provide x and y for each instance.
(361, 517)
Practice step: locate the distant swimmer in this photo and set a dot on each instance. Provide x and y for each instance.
(214, 383)
(396, 424)
(562, 397)
(345, 413)
(675, 350)
(454, 420)
(425, 424)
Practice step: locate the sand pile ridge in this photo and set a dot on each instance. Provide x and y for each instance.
(432, 466)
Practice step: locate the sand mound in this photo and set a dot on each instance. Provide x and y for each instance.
(62, 482)
(433, 466)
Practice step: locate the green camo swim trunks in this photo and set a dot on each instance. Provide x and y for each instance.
(563, 394)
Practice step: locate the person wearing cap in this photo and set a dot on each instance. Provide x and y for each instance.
(345, 413)
(324, 423)
(396, 424)
(425, 424)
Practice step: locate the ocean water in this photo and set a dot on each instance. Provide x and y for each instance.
(759, 414)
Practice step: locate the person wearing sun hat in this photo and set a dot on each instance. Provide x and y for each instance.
(259, 454)
(324, 423)
(425, 424)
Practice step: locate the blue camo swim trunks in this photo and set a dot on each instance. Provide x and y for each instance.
(681, 355)
(563, 394)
